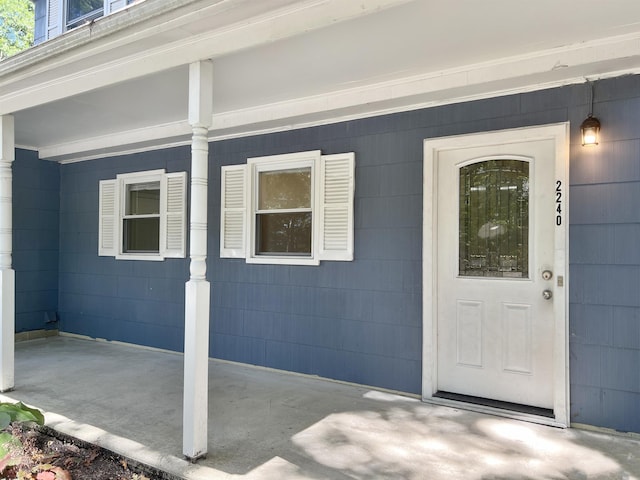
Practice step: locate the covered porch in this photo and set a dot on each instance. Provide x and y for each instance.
(127, 92)
(269, 424)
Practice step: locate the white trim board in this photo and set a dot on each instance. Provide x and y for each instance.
(157, 137)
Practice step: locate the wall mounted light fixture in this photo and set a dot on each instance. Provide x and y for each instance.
(590, 128)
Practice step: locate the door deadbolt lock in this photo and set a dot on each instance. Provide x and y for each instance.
(547, 294)
(547, 274)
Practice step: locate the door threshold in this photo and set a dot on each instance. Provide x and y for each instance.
(488, 402)
(541, 416)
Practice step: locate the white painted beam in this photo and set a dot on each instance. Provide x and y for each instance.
(145, 138)
(197, 290)
(522, 73)
(7, 275)
(200, 93)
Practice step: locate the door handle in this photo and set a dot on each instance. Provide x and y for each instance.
(547, 294)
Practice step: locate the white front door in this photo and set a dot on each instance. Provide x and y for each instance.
(498, 267)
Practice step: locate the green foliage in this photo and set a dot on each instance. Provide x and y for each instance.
(19, 412)
(10, 448)
(16, 26)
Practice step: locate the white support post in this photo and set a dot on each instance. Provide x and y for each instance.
(197, 290)
(7, 275)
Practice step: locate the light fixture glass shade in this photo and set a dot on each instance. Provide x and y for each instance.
(590, 130)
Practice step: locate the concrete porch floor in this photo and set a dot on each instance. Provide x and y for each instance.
(272, 425)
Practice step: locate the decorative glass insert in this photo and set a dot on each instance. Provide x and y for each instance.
(494, 219)
(141, 221)
(283, 216)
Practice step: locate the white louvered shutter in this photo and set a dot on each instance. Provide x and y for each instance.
(233, 211)
(337, 186)
(108, 218)
(113, 5)
(54, 18)
(175, 216)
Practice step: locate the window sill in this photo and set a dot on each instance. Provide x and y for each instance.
(150, 257)
(272, 260)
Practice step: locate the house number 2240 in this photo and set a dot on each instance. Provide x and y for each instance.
(558, 202)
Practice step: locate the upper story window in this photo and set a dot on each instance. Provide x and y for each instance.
(142, 216)
(80, 11)
(63, 15)
(293, 209)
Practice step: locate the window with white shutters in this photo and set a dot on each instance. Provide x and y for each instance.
(293, 209)
(336, 207)
(175, 227)
(63, 15)
(142, 216)
(54, 18)
(232, 222)
(113, 5)
(107, 224)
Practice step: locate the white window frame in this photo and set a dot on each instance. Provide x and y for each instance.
(87, 17)
(281, 163)
(125, 180)
(172, 215)
(332, 207)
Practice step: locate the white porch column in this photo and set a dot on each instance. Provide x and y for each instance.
(197, 291)
(7, 275)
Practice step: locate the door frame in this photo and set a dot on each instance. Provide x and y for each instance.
(559, 133)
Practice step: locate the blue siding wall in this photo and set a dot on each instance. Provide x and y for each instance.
(361, 321)
(357, 321)
(36, 197)
(605, 263)
(133, 301)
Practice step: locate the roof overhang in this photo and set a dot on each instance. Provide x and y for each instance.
(120, 84)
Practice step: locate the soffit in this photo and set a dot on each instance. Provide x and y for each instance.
(304, 63)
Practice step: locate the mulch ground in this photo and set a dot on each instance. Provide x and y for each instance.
(49, 455)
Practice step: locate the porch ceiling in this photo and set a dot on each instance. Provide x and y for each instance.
(121, 84)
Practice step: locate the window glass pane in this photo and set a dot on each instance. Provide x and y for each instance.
(494, 219)
(141, 235)
(283, 233)
(143, 198)
(80, 8)
(284, 189)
